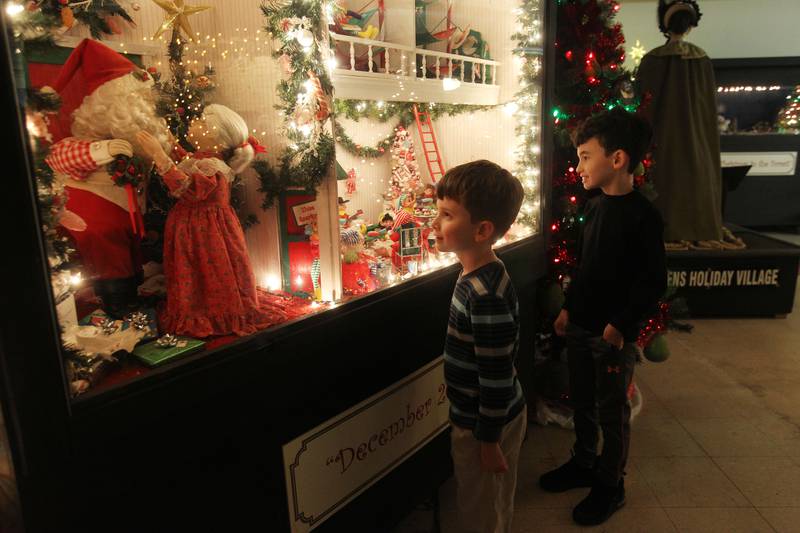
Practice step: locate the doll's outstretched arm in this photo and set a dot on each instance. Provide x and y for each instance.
(198, 184)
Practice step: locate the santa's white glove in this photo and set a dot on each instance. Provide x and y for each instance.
(104, 152)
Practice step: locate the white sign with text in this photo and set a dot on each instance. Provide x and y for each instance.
(763, 163)
(333, 463)
(305, 213)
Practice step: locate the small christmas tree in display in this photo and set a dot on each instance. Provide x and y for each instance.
(184, 95)
(405, 180)
(789, 116)
(405, 169)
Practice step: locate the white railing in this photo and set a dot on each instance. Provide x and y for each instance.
(367, 57)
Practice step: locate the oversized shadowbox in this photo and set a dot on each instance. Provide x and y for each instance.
(119, 442)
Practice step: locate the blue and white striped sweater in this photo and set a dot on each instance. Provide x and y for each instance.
(480, 350)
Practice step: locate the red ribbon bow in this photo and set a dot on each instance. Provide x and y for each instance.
(257, 147)
(137, 222)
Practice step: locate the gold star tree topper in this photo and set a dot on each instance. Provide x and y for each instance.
(637, 52)
(177, 16)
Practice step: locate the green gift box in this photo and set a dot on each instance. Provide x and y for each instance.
(153, 355)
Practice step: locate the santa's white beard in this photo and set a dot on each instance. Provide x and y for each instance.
(119, 109)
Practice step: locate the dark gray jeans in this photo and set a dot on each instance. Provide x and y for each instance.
(599, 377)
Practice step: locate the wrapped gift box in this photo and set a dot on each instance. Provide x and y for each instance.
(153, 355)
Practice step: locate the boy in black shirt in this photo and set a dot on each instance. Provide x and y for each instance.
(621, 274)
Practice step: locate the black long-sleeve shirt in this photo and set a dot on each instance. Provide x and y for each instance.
(621, 270)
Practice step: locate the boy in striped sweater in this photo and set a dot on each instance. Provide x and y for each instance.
(477, 203)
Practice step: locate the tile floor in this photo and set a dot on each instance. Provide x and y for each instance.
(716, 447)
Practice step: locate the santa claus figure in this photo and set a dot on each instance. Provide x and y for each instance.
(107, 100)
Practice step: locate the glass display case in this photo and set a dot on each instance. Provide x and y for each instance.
(223, 231)
(758, 101)
(207, 173)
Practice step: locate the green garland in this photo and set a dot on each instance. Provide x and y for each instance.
(306, 161)
(403, 112)
(304, 164)
(50, 193)
(306, 174)
(374, 110)
(41, 19)
(365, 152)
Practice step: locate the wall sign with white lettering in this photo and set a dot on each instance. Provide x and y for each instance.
(723, 278)
(333, 463)
(763, 163)
(757, 281)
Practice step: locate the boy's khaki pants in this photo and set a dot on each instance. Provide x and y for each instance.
(486, 500)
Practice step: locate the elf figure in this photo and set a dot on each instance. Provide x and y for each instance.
(312, 232)
(356, 275)
(211, 289)
(351, 182)
(106, 101)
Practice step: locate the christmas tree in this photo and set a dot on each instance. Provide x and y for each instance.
(183, 96)
(589, 79)
(181, 99)
(589, 56)
(405, 180)
(789, 116)
(405, 169)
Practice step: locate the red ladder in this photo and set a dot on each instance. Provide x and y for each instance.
(429, 144)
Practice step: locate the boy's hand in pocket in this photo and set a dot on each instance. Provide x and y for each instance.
(613, 336)
(560, 325)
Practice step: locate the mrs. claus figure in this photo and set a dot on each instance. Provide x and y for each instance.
(211, 289)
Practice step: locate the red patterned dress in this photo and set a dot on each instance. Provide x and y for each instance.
(211, 289)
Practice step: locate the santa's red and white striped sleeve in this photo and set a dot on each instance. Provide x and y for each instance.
(402, 217)
(73, 157)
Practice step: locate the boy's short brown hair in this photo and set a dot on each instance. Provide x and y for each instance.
(616, 130)
(486, 190)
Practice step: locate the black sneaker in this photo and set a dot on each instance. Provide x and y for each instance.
(600, 504)
(568, 476)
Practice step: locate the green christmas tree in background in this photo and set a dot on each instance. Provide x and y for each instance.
(590, 78)
(789, 116)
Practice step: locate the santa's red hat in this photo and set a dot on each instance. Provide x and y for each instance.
(88, 67)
